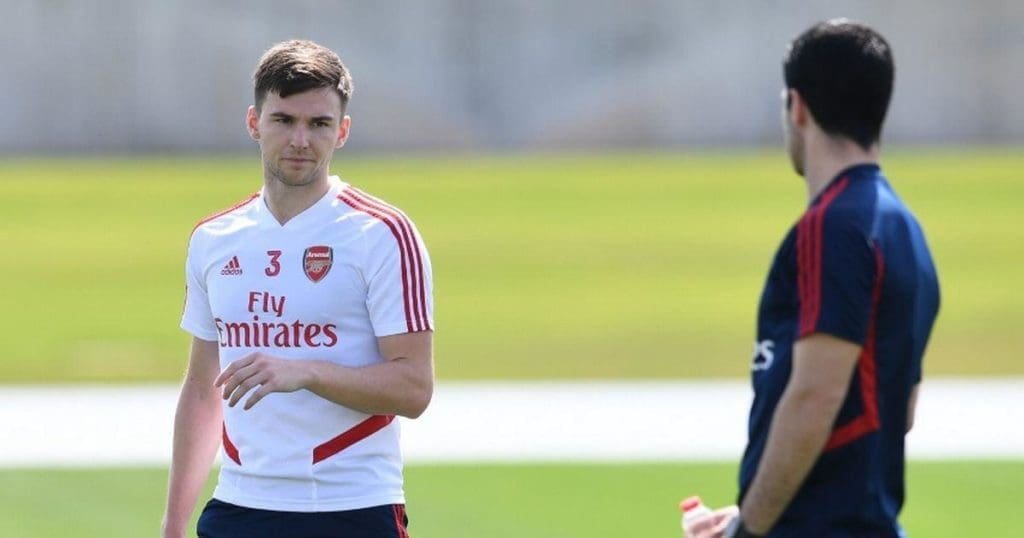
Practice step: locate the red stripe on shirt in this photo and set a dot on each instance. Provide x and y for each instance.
(402, 229)
(223, 212)
(803, 265)
(351, 436)
(415, 265)
(406, 293)
(412, 246)
(810, 232)
(229, 448)
(203, 221)
(868, 420)
(806, 271)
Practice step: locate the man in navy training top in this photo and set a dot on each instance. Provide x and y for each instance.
(844, 316)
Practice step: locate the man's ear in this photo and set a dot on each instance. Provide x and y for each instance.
(252, 122)
(344, 128)
(798, 112)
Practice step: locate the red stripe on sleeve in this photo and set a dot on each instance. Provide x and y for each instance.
(809, 243)
(412, 246)
(808, 271)
(803, 268)
(415, 265)
(351, 436)
(406, 293)
(868, 420)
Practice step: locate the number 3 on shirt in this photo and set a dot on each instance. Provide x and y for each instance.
(275, 266)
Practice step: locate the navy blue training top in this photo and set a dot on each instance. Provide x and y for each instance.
(855, 266)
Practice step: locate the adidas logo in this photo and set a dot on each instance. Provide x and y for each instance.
(232, 267)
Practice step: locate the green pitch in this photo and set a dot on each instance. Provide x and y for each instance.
(516, 501)
(618, 266)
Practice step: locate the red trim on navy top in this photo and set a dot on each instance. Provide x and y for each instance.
(351, 436)
(808, 256)
(868, 420)
(229, 448)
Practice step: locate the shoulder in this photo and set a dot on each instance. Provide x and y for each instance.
(375, 216)
(224, 219)
(845, 208)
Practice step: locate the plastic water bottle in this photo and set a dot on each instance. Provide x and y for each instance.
(693, 509)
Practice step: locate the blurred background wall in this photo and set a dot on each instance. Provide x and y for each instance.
(159, 76)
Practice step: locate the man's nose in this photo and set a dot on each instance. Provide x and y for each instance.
(300, 137)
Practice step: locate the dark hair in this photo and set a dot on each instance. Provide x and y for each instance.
(296, 66)
(844, 71)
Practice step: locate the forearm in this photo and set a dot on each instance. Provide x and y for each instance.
(800, 427)
(197, 428)
(396, 387)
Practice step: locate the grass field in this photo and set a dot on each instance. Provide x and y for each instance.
(617, 266)
(535, 501)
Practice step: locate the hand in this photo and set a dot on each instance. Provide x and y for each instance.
(270, 374)
(713, 526)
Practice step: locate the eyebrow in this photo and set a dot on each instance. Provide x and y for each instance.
(287, 116)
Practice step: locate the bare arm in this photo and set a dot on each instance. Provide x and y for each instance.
(822, 367)
(402, 385)
(197, 425)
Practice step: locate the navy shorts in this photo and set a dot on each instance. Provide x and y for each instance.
(222, 520)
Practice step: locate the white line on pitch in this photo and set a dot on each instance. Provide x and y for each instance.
(615, 421)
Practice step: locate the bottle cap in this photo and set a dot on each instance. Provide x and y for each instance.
(689, 503)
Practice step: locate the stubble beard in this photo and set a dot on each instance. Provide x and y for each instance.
(277, 173)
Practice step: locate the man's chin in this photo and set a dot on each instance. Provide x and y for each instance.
(295, 179)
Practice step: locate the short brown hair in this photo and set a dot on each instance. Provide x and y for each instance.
(296, 66)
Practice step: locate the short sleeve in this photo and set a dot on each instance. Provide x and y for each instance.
(836, 273)
(197, 318)
(399, 279)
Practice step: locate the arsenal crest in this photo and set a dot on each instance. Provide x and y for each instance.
(317, 262)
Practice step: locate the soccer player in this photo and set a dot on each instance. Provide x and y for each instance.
(310, 307)
(844, 317)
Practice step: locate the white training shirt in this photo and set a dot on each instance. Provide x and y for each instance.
(324, 286)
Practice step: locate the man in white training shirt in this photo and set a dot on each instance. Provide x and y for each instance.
(311, 312)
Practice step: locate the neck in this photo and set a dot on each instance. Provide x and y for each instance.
(286, 201)
(826, 156)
